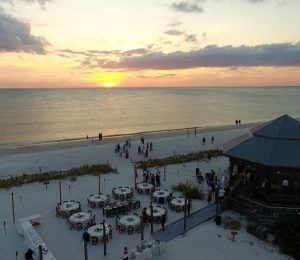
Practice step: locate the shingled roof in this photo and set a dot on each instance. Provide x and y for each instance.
(273, 144)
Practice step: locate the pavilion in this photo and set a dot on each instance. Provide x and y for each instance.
(268, 158)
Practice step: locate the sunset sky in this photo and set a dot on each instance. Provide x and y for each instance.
(124, 43)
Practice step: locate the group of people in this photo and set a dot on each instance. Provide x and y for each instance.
(214, 185)
(144, 150)
(153, 178)
(237, 122)
(123, 149)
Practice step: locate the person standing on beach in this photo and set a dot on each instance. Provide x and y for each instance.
(212, 139)
(125, 254)
(203, 141)
(195, 131)
(151, 146)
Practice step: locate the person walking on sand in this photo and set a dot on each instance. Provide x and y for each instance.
(212, 139)
(203, 141)
(125, 254)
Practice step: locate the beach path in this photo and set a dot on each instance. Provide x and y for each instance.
(176, 228)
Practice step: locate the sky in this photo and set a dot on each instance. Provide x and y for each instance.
(149, 43)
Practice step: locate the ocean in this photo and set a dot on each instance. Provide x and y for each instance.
(34, 115)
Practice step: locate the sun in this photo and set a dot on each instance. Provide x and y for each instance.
(107, 84)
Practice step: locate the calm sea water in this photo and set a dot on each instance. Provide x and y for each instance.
(55, 114)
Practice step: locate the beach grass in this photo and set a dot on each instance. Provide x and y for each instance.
(95, 169)
(189, 191)
(178, 159)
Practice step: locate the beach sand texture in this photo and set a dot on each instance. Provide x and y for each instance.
(206, 241)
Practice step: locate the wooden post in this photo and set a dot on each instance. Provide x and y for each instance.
(217, 200)
(184, 218)
(40, 252)
(142, 228)
(4, 225)
(85, 251)
(104, 237)
(164, 172)
(99, 184)
(59, 192)
(151, 213)
(13, 207)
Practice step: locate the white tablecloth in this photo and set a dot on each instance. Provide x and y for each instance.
(144, 186)
(178, 202)
(161, 194)
(123, 190)
(69, 205)
(130, 221)
(97, 231)
(97, 198)
(80, 217)
(157, 211)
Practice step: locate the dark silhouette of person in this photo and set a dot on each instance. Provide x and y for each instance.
(212, 139)
(163, 221)
(29, 254)
(86, 236)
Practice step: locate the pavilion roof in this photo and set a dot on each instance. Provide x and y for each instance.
(273, 144)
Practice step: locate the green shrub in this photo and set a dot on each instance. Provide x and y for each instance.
(47, 176)
(189, 191)
(177, 159)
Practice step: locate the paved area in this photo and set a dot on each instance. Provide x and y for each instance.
(176, 228)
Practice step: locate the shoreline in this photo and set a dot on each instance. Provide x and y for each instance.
(36, 146)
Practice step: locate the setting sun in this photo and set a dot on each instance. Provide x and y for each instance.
(107, 84)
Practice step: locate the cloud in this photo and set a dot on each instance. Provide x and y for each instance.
(174, 32)
(186, 7)
(174, 24)
(170, 75)
(191, 38)
(255, 1)
(42, 3)
(285, 54)
(15, 36)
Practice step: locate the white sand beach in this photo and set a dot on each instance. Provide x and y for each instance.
(206, 241)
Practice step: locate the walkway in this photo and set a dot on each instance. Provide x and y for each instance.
(176, 228)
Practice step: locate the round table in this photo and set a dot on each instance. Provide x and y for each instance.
(98, 198)
(157, 211)
(161, 195)
(144, 187)
(69, 206)
(97, 231)
(80, 217)
(129, 221)
(178, 202)
(122, 192)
